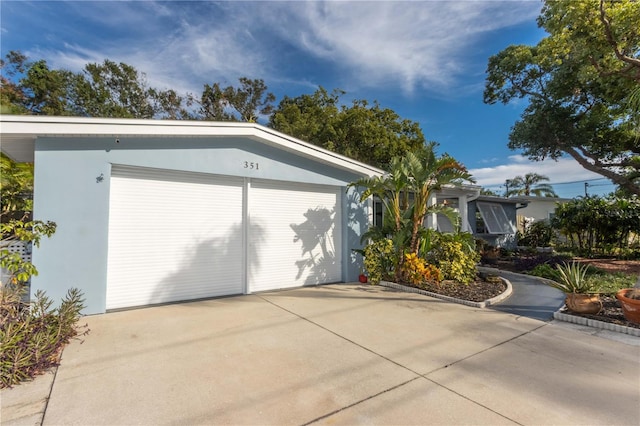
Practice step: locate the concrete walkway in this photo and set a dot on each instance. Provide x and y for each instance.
(530, 298)
(338, 354)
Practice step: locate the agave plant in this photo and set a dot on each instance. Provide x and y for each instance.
(572, 278)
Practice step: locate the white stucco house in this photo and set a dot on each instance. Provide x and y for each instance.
(540, 209)
(152, 211)
(158, 211)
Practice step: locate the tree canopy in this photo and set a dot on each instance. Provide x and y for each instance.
(108, 89)
(363, 131)
(578, 82)
(244, 103)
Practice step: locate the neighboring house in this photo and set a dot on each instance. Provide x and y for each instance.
(455, 197)
(493, 219)
(539, 208)
(153, 211)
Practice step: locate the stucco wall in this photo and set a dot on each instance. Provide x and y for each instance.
(541, 208)
(72, 178)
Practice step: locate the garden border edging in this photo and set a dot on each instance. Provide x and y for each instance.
(560, 316)
(483, 304)
(588, 322)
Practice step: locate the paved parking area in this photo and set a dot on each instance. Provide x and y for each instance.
(340, 354)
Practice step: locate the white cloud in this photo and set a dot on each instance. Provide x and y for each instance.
(415, 43)
(400, 44)
(563, 170)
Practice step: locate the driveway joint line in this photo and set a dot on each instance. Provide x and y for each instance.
(486, 349)
(317, 419)
(53, 381)
(471, 400)
(471, 356)
(342, 337)
(423, 376)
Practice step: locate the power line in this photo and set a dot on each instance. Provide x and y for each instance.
(563, 183)
(601, 184)
(580, 181)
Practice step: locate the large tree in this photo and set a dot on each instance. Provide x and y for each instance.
(33, 88)
(365, 132)
(113, 89)
(245, 103)
(108, 89)
(578, 82)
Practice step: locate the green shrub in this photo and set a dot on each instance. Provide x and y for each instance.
(545, 270)
(455, 255)
(379, 260)
(32, 335)
(536, 234)
(605, 283)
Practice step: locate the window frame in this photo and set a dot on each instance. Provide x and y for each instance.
(492, 223)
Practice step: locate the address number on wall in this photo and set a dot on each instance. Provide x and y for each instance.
(251, 165)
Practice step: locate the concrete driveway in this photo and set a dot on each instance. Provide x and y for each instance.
(340, 354)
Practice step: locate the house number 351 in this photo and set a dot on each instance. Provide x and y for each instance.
(251, 165)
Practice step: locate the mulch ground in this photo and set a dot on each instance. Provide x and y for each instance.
(476, 292)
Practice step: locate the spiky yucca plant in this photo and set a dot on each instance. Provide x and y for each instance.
(572, 278)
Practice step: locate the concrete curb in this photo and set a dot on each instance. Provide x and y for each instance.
(484, 304)
(596, 324)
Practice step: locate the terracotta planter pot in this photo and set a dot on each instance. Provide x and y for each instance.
(630, 307)
(583, 303)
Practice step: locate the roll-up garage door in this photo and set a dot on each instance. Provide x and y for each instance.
(294, 236)
(173, 236)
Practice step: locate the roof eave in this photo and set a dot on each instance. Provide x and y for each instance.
(19, 133)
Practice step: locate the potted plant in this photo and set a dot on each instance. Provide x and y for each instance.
(579, 292)
(630, 301)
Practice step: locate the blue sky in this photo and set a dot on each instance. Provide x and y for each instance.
(426, 60)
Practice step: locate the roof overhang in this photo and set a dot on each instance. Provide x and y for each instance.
(18, 134)
(520, 202)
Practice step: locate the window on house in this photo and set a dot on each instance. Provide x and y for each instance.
(495, 220)
(377, 213)
(480, 227)
(444, 224)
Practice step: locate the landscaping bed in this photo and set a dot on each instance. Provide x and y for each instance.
(611, 311)
(478, 291)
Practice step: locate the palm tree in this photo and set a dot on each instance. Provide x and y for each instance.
(418, 173)
(428, 173)
(528, 185)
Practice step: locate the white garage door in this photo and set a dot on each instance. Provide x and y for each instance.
(173, 236)
(295, 235)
